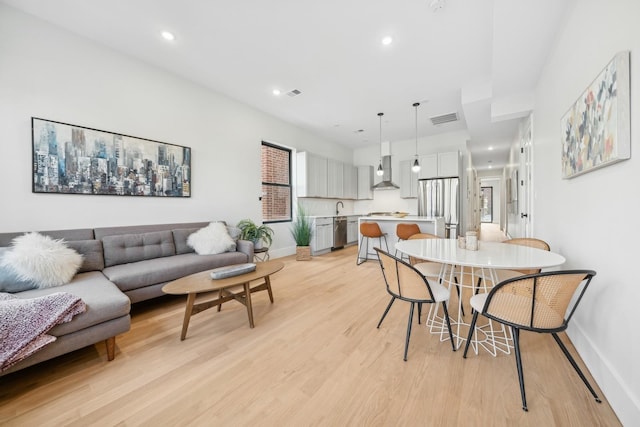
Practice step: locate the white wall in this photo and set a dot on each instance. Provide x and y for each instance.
(51, 73)
(590, 219)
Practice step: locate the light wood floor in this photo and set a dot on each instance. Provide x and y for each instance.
(314, 358)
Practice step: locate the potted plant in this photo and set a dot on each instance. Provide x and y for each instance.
(258, 234)
(301, 230)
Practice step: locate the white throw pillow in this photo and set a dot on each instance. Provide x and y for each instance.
(42, 260)
(213, 239)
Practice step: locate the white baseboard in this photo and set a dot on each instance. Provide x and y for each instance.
(625, 404)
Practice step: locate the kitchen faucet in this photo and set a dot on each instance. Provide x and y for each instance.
(338, 203)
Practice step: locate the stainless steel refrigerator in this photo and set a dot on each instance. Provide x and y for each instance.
(441, 197)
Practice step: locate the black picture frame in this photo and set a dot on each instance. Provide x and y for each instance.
(73, 159)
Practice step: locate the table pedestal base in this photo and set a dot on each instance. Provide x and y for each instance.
(487, 335)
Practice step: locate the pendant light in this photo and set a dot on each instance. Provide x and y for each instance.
(380, 171)
(416, 164)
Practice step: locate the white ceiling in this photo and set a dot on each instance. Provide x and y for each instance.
(479, 58)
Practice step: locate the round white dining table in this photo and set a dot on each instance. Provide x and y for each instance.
(463, 268)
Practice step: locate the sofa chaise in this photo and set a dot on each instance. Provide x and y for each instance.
(121, 265)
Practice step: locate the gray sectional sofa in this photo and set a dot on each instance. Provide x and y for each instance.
(122, 265)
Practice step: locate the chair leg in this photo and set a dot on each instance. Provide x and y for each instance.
(386, 311)
(516, 345)
(358, 262)
(419, 311)
(406, 344)
(446, 318)
(470, 336)
(385, 242)
(575, 366)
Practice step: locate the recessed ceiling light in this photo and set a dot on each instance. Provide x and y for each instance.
(276, 92)
(387, 40)
(490, 167)
(490, 148)
(168, 36)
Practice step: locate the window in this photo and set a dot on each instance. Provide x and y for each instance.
(276, 183)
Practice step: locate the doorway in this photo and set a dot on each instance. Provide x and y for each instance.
(486, 204)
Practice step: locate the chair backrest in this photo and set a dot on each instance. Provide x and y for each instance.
(413, 260)
(532, 243)
(370, 229)
(538, 302)
(404, 231)
(402, 280)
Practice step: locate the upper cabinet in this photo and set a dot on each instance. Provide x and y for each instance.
(440, 165)
(317, 176)
(365, 182)
(350, 183)
(335, 179)
(408, 180)
(448, 164)
(311, 175)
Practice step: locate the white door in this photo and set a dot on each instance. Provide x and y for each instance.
(525, 184)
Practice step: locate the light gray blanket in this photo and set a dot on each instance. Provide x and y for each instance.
(24, 323)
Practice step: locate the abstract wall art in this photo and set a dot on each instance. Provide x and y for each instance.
(72, 159)
(596, 131)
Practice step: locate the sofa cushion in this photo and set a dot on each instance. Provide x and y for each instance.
(127, 248)
(91, 251)
(180, 237)
(161, 270)
(103, 299)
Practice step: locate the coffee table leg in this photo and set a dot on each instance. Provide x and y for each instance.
(191, 299)
(247, 296)
(267, 281)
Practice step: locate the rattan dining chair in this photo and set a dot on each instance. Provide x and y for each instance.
(541, 302)
(522, 241)
(405, 283)
(430, 269)
(530, 242)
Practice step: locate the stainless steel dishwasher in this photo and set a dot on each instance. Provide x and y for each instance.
(339, 232)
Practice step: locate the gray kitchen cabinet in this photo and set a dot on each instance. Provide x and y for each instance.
(322, 238)
(408, 180)
(428, 166)
(365, 182)
(311, 175)
(440, 165)
(335, 179)
(350, 181)
(448, 164)
(352, 229)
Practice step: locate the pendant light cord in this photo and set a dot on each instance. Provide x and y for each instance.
(416, 162)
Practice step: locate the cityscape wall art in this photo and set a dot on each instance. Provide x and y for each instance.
(71, 159)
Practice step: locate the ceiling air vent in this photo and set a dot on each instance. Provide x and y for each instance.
(445, 118)
(294, 92)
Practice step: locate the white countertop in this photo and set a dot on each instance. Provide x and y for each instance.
(334, 215)
(405, 218)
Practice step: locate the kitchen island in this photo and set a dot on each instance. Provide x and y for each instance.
(388, 224)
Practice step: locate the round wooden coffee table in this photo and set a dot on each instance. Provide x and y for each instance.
(232, 288)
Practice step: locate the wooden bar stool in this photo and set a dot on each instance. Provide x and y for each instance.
(370, 230)
(404, 231)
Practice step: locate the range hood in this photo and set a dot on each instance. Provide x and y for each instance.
(386, 183)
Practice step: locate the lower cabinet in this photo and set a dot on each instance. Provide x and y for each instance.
(352, 229)
(322, 239)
